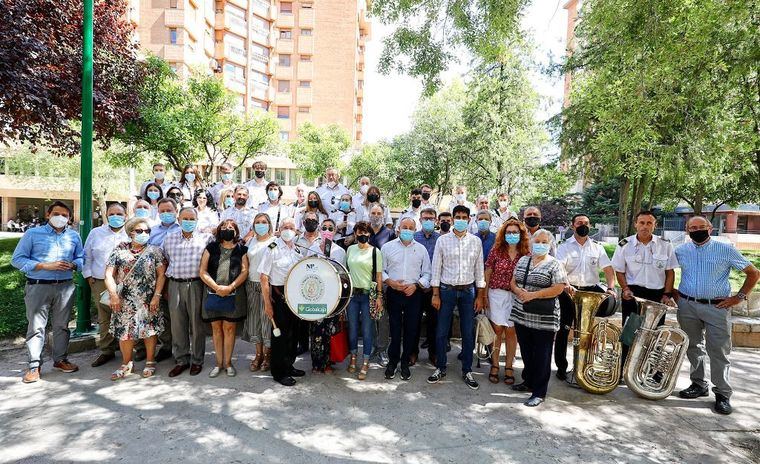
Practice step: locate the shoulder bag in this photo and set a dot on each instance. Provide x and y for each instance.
(375, 310)
(105, 297)
(539, 306)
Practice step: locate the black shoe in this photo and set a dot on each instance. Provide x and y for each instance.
(561, 374)
(470, 381)
(425, 345)
(437, 376)
(162, 355)
(140, 356)
(694, 391)
(722, 405)
(297, 372)
(102, 359)
(390, 371)
(406, 374)
(521, 387)
(287, 381)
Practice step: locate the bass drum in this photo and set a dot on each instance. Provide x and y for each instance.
(317, 288)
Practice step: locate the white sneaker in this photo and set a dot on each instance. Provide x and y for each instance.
(214, 372)
(231, 372)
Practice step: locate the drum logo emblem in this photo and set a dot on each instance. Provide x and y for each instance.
(312, 288)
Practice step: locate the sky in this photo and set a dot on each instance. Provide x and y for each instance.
(390, 100)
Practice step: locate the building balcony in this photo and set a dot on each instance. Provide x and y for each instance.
(262, 8)
(306, 18)
(174, 18)
(240, 3)
(285, 124)
(283, 98)
(284, 46)
(283, 72)
(302, 118)
(173, 53)
(259, 63)
(234, 24)
(285, 21)
(261, 37)
(234, 84)
(305, 70)
(303, 96)
(236, 55)
(306, 45)
(261, 91)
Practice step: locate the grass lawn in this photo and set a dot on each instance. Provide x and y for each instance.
(12, 312)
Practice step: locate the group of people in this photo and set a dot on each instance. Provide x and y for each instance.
(185, 256)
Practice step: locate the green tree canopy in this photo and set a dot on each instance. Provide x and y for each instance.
(318, 148)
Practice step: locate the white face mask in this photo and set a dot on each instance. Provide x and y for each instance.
(331, 184)
(288, 235)
(363, 189)
(159, 175)
(503, 203)
(461, 197)
(58, 222)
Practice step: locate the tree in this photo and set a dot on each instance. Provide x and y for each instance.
(41, 72)
(318, 148)
(431, 32)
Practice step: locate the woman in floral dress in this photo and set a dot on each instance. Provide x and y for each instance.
(139, 269)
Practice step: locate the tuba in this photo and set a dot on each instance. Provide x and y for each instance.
(596, 346)
(656, 354)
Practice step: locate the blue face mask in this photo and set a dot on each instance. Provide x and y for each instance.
(428, 225)
(273, 194)
(116, 221)
(540, 249)
(406, 235)
(188, 225)
(190, 177)
(142, 213)
(512, 239)
(229, 202)
(226, 177)
(153, 195)
(344, 206)
(460, 225)
(142, 239)
(261, 229)
(168, 218)
(483, 225)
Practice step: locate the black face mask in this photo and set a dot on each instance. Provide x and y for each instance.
(373, 198)
(532, 221)
(416, 203)
(583, 230)
(699, 236)
(226, 235)
(241, 201)
(425, 196)
(259, 174)
(445, 226)
(310, 225)
(313, 203)
(362, 238)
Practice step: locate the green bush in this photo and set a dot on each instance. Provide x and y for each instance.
(12, 310)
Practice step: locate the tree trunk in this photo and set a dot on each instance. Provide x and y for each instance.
(698, 203)
(623, 204)
(638, 194)
(652, 191)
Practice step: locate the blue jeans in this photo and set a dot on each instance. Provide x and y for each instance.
(463, 299)
(358, 314)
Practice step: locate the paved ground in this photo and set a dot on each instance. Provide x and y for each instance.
(85, 417)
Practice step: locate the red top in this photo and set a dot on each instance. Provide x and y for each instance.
(503, 267)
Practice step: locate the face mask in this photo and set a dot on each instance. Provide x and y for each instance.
(416, 203)
(460, 225)
(582, 231)
(428, 225)
(331, 184)
(503, 203)
(153, 195)
(188, 225)
(483, 225)
(261, 229)
(59, 222)
(142, 239)
(363, 189)
(461, 197)
(116, 221)
(159, 175)
(540, 249)
(227, 235)
(259, 174)
(373, 198)
(167, 218)
(345, 206)
(376, 221)
(512, 239)
(532, 221)
(228, 202)
(327, 235)
(362, 238)
(699, 236)
(288, 235)
(227, 176)
(241, 201)
(406, 235)
(190, 177)
(313, 203)
(310, 225)
(445, 226)
(142, 213)
(425, 196)
(273, 194)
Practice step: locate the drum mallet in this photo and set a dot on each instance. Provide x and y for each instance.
(275, 330)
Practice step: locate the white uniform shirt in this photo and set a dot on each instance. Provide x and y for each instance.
(276, 213)
(98, 247)
(582, 262)
(256, 251)
(299, 220)
(340, 217)
(257, 192)
(331, 196)
(278, 260)
(207, 219)
(362, 214)
(242, 217)
(408, 264)
(471, 206)
(458, 261)
(644, 265)
(410, 213)
(216, 191)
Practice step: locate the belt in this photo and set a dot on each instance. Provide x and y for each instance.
(458, 287)
(43, 281)
(278, 290)
(360, 291)
(701, 300)
(192, 279)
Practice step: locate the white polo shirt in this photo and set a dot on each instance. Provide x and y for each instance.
(582, 262)
(278, 260)
(644, 265)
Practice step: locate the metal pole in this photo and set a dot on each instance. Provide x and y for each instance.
(85, 185)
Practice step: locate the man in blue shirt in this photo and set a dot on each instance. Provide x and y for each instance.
(48, 256)
(704, 307)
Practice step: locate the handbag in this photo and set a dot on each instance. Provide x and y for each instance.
(105, 297)
(375, 310)
(220, 304)
(339, 345)
(539, 306)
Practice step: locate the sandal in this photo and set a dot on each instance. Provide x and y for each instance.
(352, 364)
(266, 363)
(363, 372)
(493, 376)
(149, 370)
(256, 363)
(122, 372)
(509, 379)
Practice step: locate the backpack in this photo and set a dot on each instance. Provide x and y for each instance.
(484, 337)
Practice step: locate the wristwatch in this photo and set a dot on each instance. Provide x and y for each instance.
(742, 296)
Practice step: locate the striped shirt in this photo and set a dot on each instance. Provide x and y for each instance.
(547, 273)
(184, 254)
(458, 261)
(705, 268)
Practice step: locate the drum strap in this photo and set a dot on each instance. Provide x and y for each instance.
(277, 222)
(328, 247)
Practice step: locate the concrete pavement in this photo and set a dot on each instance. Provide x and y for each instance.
(85, 417)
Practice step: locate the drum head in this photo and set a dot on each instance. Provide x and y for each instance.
(313, 289)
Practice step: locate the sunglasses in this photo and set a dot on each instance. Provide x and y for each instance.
(141, 231)
(326, 228)
(175, 195)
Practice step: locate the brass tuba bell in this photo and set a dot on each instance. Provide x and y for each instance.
(596, 346)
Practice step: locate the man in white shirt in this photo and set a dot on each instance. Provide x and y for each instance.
(331, 190)
(582, 258)
(97, 248)
(413, 211)
(427, 192)
(406, 271)
(456, 271)
(257, 187)
(460, 198)
(241, 214)
(226, 182)
(358, 198)
(482, 203)
(159, 178)
(344, 217)
(503, 211)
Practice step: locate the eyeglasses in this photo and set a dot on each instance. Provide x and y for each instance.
(141, 231)
(331, 229)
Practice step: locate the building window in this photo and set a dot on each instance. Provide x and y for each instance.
(172, 3)
(306, 32)
(284, 136)
(284, 60)
(305, 58)
(283, 86)
(260, 77)
(286, 7)
(173, 36)
(306, 6)
(283, 112)
(258, 104)
(286, 34)
(280, 176)
(304, 84)
(304, 109)
(236, 73)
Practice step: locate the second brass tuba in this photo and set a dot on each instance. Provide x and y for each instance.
(596, 346)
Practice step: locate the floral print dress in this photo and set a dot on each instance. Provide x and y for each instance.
(135, 320)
